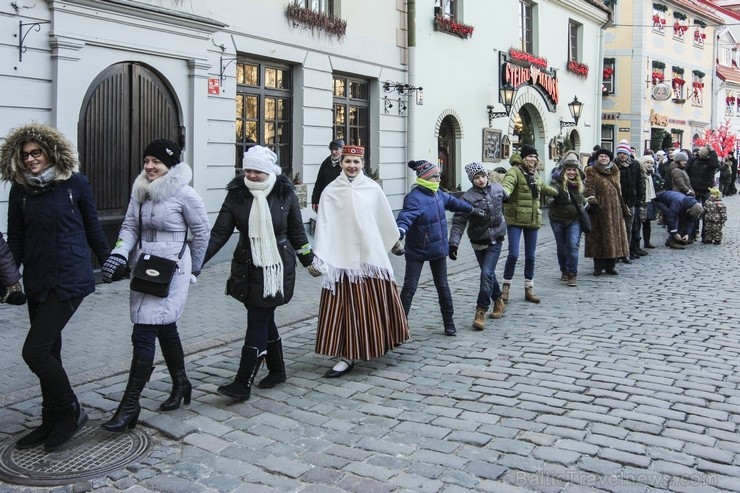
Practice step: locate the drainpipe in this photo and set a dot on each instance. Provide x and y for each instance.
(410, 114)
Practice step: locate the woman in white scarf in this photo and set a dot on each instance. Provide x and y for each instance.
(263, 206)
(360, 313)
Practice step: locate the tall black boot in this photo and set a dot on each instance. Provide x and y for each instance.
(275, 364)
(181, 386)
(127, 414)
(241, 388)
(39, 435)
(70, 419)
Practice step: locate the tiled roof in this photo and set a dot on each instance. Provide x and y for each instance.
(728, 74)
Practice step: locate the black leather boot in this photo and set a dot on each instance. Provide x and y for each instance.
(181, 386)
(240, 389)
(127, 414)
(69, 419)
(275, 365)
(39, 435)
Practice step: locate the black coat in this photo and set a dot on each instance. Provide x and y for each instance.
(289, 233)
(701, 172)
(632, 181)
(50, 232)
(327, 174)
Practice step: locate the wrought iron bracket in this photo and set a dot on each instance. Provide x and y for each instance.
(229, 60)
(22, 35)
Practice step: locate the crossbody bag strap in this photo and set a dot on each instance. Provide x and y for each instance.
(579, 210)
(184, 242)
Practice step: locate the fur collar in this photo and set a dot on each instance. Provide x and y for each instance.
(60, 150)
(282, 189)
(163, 187)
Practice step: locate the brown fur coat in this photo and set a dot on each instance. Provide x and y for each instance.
(608, 237)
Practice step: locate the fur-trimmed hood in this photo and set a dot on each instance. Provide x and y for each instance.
(62, 154)
(163, 187)
(283, 187)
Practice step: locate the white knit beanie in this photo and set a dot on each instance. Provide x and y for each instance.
(261, 159)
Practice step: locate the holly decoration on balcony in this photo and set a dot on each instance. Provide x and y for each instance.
(698, 87)
(678, 82)
(608, 72)
(580, 69)
(679, 30)
(730, 100)
(657, 77)
(447, 25)
(523, 56)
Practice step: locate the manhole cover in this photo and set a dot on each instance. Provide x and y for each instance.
(92, 453)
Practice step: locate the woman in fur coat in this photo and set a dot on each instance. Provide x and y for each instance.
(52, 226)
(607, 240)
(263, 207)
(162, 209)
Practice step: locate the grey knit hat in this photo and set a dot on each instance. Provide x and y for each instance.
(680, 156)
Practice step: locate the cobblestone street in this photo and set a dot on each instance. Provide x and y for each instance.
(626, 383)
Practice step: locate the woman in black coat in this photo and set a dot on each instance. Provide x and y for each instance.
(263, 207)
(52, 225)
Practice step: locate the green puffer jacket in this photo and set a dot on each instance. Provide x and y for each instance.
(522, 209)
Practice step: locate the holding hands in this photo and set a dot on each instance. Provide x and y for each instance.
(453, 252)
(115, 268)
(13, 295)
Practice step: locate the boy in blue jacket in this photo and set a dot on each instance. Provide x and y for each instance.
(424, 225)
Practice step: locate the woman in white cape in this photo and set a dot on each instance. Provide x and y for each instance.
(360, 312)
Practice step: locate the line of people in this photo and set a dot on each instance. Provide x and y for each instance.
(361, 315)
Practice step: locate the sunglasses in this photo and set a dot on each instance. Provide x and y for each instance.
(36, 153)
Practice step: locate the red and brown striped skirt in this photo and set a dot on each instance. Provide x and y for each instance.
(362, 320)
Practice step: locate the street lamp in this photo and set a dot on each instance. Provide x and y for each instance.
(575, 107)
(506, 94)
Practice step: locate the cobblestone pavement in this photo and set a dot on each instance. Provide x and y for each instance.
(626, 383)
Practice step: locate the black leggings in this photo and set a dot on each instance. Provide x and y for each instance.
(42, 350)
(260, 328)
(143, 337)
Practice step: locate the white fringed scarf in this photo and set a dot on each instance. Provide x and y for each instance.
(355, 230)
(262, 240)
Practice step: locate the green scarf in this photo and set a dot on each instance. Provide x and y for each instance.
(431, 185)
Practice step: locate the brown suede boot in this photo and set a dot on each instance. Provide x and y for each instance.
(505, 293)
(572, 280)
(480, 318)
(499, 307)
(530, 296)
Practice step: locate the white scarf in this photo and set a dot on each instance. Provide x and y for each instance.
(355, 230)
(262, 241)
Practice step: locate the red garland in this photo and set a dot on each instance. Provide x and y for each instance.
(444, 24)
(607, 74)
(658, 77)
(678, 82)
(730, 100)
(528, 57)
(580, 69)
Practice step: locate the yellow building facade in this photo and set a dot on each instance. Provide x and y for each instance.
(657, 89)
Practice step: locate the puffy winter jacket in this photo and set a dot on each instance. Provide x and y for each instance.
(9, 274)
(424, 222)
(522, 209)
(701, 172)
(289, 233)
(632, 182)
(481, 230)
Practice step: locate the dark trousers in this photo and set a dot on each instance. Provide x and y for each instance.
(260, 328)
(604, 263)
(439, 274)
(42, 350)
(646, 232)
(144, 335)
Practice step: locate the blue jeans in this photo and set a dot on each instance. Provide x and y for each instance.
(567, 239)
(489, 288)
(439, 274)
(514, 233)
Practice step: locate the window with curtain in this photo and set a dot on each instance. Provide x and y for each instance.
(574, 41)
(263, 109)
(526, 36)
(321, 6)
(351, 112)
(446, 8)
(607, 137)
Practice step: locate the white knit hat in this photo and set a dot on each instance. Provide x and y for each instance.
(261, 159)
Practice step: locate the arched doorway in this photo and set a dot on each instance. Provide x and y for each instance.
(448, 135)
(127, 106)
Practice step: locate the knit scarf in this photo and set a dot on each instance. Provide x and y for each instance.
(42, 179)
(262, 240)
(531, 182)
(431, 185)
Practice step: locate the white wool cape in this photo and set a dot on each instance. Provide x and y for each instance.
(355, 230)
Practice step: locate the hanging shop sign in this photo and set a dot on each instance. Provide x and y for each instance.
(518, 73)
(658, 119)
(662, 91)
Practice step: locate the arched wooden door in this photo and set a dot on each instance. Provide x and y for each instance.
(127, 106)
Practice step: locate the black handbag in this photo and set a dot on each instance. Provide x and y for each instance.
(152, 274)
(583, 217)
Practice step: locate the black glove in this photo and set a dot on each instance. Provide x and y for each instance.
(505, 198)
(453, 252)
(398, 249)
(115, 268)
(478, 212)
(13, 295)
